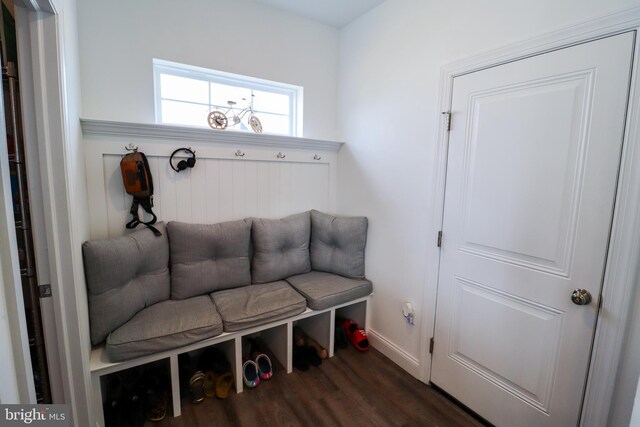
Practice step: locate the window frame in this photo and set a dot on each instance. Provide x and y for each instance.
(293, 92)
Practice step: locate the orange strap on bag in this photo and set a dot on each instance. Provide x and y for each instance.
(136, 176)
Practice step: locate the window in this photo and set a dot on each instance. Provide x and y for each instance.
(185, 95)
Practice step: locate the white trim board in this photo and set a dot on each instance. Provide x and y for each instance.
(30, 125)
(394, 353)
(58, 136)
(187, 133)
(624, 245)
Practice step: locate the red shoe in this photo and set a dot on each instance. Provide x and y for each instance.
(265, 370)
(356, 334)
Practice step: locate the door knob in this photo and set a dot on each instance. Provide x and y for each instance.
(581, 297)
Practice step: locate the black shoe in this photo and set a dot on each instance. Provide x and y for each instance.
(185, 370)
(300, 358)
(340, 337)
(312, 356)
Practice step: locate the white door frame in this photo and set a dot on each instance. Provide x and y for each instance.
(50, 29)
(624, 245)
(23, 17)
(18, 381)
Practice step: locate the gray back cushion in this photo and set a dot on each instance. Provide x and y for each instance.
(280, 247)
(207, 258)
(125, 275)
(337, 244)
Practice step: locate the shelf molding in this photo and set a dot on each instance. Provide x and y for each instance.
(182, 133)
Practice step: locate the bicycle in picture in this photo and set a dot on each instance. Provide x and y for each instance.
(220, 119)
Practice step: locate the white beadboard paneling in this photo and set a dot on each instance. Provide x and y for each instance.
(212, 185)
(239, 188)
(226, 190)
(221, 186)
(251, 177)
(263, 187)
(198, 191)
(284, 189)
(116, 202)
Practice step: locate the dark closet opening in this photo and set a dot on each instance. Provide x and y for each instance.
(21, 209)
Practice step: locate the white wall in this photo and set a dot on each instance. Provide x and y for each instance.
(628, 378)
(389, 69)
(119, 39)
(635, 417)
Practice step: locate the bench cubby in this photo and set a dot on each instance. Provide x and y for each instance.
(278, 336)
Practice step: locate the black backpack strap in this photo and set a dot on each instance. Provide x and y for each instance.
(147, 204)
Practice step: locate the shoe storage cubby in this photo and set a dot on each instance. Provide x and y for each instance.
(277, 336)
(356, 312)
(196, 360)
(133, 395)
(319, 328)
(276, 340)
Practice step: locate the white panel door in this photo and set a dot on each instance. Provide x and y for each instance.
(534, 152)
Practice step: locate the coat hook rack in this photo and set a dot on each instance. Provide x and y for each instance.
(280, 155)
(131, 147)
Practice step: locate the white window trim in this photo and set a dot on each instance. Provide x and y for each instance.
(295, 93)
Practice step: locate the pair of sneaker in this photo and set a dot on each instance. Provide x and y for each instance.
(354, 333)
(256, 369)
(210, 384)
(213, 376)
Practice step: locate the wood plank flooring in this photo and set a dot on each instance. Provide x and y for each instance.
(350, 389)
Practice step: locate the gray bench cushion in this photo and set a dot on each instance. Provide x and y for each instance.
(249, 306)
(323, 290)
(207, 258)
(337, 244)
(281, 247)
(163, 326)
(124, 275)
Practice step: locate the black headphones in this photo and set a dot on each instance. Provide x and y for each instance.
(183, 164)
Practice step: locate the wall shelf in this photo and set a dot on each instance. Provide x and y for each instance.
(188, 133)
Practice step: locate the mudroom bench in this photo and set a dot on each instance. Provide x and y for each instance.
(318, 324)
(153, 298)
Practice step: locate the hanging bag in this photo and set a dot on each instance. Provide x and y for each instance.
(136, 176)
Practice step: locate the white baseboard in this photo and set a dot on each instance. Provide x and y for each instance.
(395, 353)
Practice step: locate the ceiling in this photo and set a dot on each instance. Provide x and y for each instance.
(335, 13)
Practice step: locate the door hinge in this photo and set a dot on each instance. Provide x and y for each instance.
(431, 341)
(600, 303)
(447, 120)
(440, 238)
(44, 291)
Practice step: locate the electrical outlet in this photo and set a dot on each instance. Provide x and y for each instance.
(407, 312)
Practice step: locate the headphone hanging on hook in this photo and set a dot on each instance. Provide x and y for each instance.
(183, 164)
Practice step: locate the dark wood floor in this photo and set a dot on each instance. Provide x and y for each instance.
(350, 389)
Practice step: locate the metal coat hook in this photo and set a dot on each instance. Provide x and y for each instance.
(239, 153)
(131, 147)
(316, 157)
(280, 155)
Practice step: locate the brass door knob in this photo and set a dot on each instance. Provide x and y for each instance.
(581, 297)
